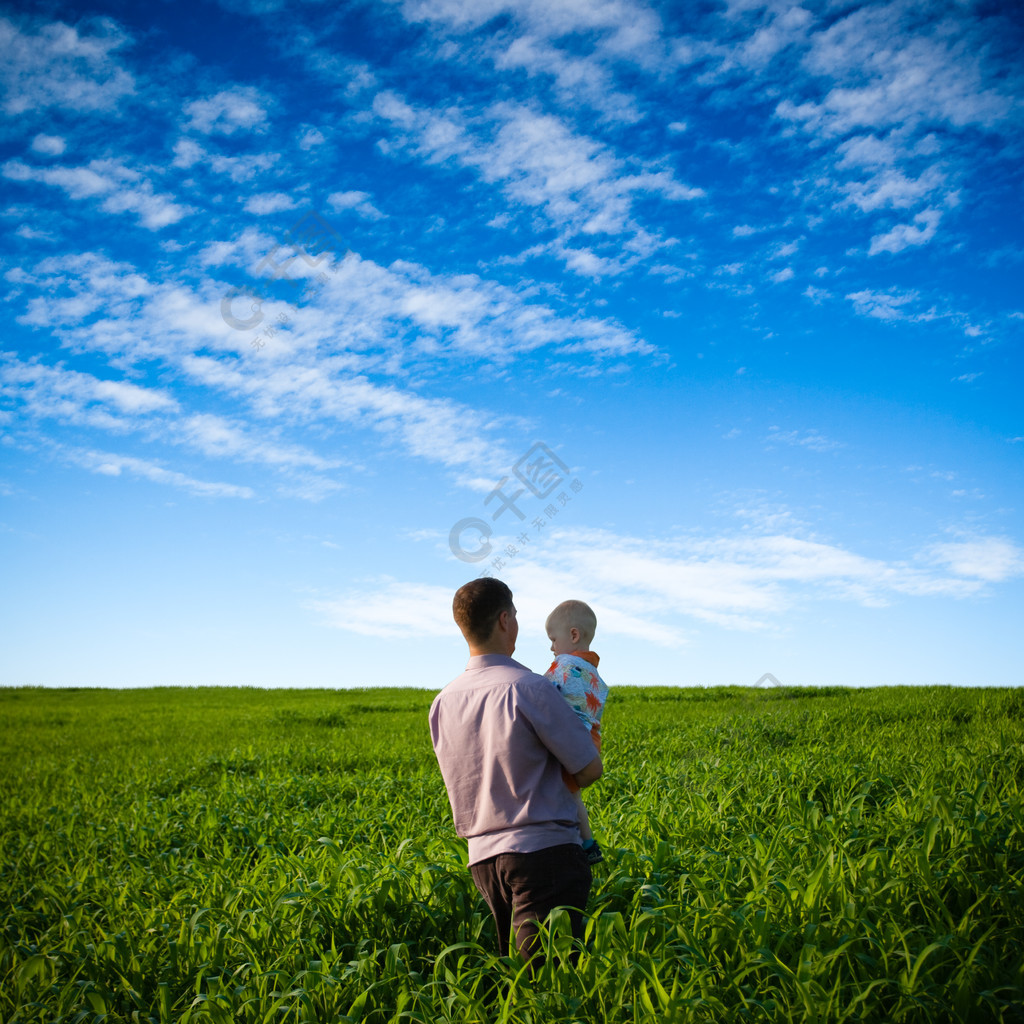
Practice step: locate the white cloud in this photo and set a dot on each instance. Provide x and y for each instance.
(888, 305)
(782, 275)
(624, 29)
(587, 263)
(119, 406)
(893, 188)
(109, 464)
(658, 590)
(311, 138)
(391, 610)
(366, 318)
(784, 27)
(94, 282)
(784, 249)
(34, 234)
(811, 439)
(437, 430)
(892, 69)
(49, 145)
(221, 438)
(122, 189)
(746, 581)
(358, 202)
(269, 202)
(59, 67)
(241, 108)
(74, 397)
(462, 315)
(579, 184)
(889, 99)
(578, 79)
(866, 151)
(188, 153)
(904, 235)
(992, 559)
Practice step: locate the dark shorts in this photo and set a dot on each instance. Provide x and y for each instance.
(523, 888)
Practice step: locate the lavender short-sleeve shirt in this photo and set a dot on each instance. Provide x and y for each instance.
(501, 734)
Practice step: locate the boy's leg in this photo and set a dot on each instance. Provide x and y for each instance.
(583, 818)
(591, 849)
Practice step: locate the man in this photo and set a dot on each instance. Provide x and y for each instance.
(501, 734)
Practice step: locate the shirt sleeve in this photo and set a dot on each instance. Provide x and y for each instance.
(555, 724)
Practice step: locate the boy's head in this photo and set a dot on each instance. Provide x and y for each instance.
(477, 607)
(571, 627)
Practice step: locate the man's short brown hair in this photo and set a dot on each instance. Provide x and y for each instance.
(477, 605)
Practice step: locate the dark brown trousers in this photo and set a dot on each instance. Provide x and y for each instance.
(523, 888)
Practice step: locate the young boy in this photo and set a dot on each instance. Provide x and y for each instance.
(570, 628)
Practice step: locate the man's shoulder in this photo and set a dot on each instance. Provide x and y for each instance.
(491, 671)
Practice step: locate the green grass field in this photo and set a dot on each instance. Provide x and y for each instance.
(264, 856)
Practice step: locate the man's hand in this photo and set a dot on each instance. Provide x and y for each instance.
(591, 773)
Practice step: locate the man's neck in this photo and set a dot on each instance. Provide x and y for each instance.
(475, 651)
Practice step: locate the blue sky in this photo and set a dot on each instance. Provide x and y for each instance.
(305, 306)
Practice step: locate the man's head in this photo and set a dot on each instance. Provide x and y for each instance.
(484, 611)
(571, 627)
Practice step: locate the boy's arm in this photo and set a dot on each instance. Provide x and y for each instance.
(590, 773)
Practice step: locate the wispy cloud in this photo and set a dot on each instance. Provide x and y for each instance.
(219, 437)
(992, 559)
(358, 202)
(188, 153)
(110, 464)
(391, 610)
(75, 397)
(660, 591)
(577, 79)
(49, 145)
(540, 162)
(241, 108)
(891, 306)
(810, 439)
(387, 318)
(903, 235)
(883, 66)
(57, 66)
(269, 202)
(120, 189)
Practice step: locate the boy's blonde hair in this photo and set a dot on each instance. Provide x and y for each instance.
(575, 613)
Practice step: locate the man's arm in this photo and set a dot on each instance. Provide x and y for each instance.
(590, 773)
